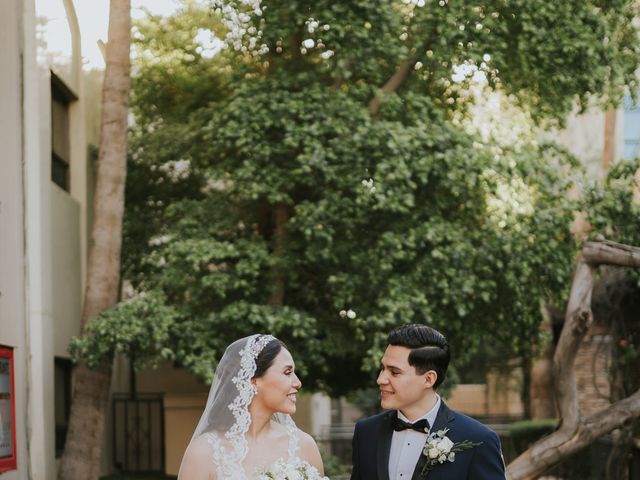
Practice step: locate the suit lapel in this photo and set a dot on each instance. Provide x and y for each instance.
(444, 419)
(384, 445)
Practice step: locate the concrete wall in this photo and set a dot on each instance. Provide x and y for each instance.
(41, 242)
(499, 396)
(66, 268)
(12, 292)
(181, 415)
(39, 322)
(319, 415)
(469, 398)
(168, 379)
(583, 136)
(313, 412)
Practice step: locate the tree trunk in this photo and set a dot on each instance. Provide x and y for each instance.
(576, 431)
(617, 464)
(81, 458)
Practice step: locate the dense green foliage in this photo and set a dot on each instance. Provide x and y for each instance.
(139, 329)
(403, 216)
(614, 208)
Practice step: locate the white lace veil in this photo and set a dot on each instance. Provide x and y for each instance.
(226, 417)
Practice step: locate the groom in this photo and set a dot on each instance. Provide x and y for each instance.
(389, 446)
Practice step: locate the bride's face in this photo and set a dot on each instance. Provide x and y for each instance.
(278, 387)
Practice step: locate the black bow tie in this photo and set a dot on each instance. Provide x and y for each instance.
(421, 426)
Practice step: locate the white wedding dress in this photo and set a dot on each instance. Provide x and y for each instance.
(227, 468)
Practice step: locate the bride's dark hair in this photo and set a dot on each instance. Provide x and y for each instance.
(266, 357)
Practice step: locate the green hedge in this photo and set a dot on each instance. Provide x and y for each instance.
(587, 464)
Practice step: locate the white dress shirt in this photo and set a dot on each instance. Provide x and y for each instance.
(407, 445)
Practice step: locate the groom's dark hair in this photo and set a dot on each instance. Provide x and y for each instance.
(429, 348)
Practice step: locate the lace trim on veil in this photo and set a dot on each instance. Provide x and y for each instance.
(229, 463)
(294, 441)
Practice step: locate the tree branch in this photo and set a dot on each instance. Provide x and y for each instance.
(399, 77)
(392, 85)
(576, 432)
(607, 252)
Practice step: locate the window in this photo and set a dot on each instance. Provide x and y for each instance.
(62, 405)
(631, 126)
(7, 412)
(61, 98)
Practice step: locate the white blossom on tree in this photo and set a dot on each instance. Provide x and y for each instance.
(238, 17)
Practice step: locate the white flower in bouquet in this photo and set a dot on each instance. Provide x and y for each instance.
(281, 470)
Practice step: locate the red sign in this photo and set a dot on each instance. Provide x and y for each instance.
(7, 411)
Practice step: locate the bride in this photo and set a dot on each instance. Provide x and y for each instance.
(246, 426)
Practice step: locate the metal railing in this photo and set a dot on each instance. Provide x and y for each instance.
(138, 433)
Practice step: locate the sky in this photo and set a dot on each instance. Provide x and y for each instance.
(93, 16)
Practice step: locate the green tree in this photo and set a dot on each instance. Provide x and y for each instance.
(327, 190)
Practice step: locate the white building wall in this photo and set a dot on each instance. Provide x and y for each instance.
(42, 231)
(12, 292)
(583, 136)
(320, 413)
(80, 182)
(39, 324)
(66, 268)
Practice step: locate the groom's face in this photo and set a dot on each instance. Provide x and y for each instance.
(401, 388)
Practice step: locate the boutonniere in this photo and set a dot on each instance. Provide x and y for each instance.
(440, 449)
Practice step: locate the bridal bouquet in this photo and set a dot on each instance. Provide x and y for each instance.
(281, 470)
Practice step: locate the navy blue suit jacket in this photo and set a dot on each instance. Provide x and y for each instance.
(372, 442)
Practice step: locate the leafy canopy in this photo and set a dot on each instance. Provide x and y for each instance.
(259, 173)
